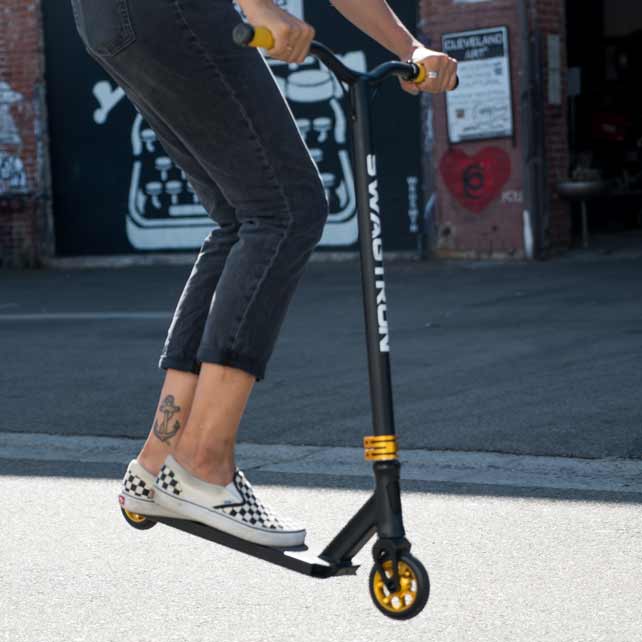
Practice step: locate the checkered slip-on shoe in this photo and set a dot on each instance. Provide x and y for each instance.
(233, 509)
(137, 494)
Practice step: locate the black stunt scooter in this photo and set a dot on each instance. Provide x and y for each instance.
(399, 584)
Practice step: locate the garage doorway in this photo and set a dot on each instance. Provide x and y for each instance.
(604, 46)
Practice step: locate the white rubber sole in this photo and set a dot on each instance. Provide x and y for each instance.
(222, 522)
(144, 507)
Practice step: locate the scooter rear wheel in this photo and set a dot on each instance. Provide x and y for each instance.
(137, 521)
(410, 598)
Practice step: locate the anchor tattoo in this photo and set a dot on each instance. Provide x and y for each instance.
(163, 431)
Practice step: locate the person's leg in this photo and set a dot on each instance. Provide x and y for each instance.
(225, 107)
(223, 104)
(171, 416)
(206, 448)
(226, 389)
(281, 206)
(210, 455)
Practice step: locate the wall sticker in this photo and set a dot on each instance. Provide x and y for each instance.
(475, 181)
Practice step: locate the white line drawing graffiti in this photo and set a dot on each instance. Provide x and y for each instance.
(164, 212)
(295, 7)
(107, 98)
(413, 203)
(9, 134)
(316, 99)
(13, 177)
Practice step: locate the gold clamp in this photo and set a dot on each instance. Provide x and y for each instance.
(380, 447)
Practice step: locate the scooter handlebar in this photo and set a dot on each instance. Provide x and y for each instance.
(248, 36)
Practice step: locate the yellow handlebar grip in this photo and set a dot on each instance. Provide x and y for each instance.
(246, 35)
(262, 38)
(421, 76)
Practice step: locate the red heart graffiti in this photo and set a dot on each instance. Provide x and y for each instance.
(476, 180)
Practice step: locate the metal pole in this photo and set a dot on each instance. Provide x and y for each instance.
(371, 250)
(585, 230)
(531, 209)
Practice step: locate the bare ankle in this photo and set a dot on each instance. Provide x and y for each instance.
(152, 464)
(213, 466)
(220, 476)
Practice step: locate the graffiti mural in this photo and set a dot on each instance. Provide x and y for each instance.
(315, 97)
(13, 177)
(163, 209)
(145, 201)
(475, 181)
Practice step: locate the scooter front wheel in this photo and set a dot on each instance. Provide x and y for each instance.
(412, 594)
(135, 520)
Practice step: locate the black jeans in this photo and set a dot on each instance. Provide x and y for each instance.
(220, 116)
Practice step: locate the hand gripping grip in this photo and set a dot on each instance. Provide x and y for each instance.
(246, 35)
(421, 76)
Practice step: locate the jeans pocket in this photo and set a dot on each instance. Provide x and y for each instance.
(105, 26)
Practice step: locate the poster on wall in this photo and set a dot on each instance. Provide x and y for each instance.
(481, 108)
(116, 190)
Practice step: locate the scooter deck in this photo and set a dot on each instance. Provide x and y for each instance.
(296, 559)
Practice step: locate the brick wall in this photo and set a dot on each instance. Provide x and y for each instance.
(548, 18)
(499, 229)
(25, 220)
(26, 231)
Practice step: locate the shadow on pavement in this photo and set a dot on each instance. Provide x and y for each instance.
(115, 471)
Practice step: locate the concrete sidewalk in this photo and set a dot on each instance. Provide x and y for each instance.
(501, 568)
(539, 358)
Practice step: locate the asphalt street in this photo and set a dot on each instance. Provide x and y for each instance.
(540, 359)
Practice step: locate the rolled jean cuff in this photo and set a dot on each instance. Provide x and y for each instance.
(179, 363)
(231, 358)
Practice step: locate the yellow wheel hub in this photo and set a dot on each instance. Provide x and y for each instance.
(402, 599)
(135, 517)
